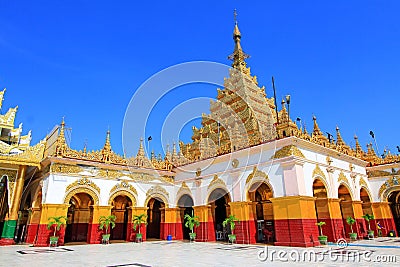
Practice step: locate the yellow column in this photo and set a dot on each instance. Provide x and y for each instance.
(16, 200)
(52, 210)
(206, 230)
(245, 229)
(334, 208)
(99, 211)
(243, 210)
(383, 216)
(295, 219)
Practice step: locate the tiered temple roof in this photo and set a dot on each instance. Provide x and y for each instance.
(11, 139)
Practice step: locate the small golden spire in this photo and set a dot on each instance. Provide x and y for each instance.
(141, 149)
(339, 139)
(61, 144)
(359, 151)
(106, 151)
(238, 56)
(316, 130)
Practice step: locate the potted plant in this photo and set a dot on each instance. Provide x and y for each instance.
(138, 220)
(106, 222)
(56, 222)
(350, 221)
(322, 238)
(231, 222)
(191, 223)
(368, 218)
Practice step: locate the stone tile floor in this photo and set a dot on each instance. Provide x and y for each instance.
(163, 253)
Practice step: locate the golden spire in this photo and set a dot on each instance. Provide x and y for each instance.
(2, 97)
(61, 144)
(339, 139)
(106, 151)
(316, 130)
(238, 56)
(359, 151)
(141, 149)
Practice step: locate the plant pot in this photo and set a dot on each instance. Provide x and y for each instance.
(106, 239)
(353, 236)
(323, 239)
(192, 236)
(54, 240)
(139, 237)
(232, 238)
(370, 234)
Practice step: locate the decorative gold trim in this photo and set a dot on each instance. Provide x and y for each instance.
(157, 192)
(83, 182)
(318, 172)
(286, 151)
(216, 181)
(123, 188)
(256, 173)
(387, 186)
(343, 178)
(82, 189)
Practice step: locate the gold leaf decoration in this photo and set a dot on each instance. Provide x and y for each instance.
(290, 150)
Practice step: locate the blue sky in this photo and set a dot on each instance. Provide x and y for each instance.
(339, 60)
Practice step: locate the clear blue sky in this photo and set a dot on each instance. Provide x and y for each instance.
(339, 60)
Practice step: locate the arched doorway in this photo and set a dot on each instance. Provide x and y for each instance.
(121, 209)
(155, 215)
(394, 202)
(219, 199)
(260, 194)
(185, 203)
(23, 218)
(346, 209)
(80, 215)
(3, 201)
(322, 207)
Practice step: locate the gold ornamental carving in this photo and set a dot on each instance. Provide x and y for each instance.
(362, 183)
(387, 185)
(82, 189)
(216, 181)
(256, 173)
(32, 156)
(157, 192)
(65, 169)
(318, 172)
(83, 182)
(342, 178)
(378, 173)
(183, 190)
(123, 188)
(287, 151)
(11, 178)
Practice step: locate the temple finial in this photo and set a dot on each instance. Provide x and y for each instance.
(235, 16)
(61, 144)
(106, 151)
(238, 56)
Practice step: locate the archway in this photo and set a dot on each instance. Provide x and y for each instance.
(155, 216)
(3, 201)
(80, 214)
(320, 194)
(260, 194)
(219, 199)
(23, 218)
(121, 209)
(394, 202)
(185, 203)
(346, 208)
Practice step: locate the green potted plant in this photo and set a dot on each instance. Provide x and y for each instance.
(191, 223)
(323, 239)
(106, 222)
(231, 222)
(350, 221)
(368, 218)
(138, 220)
(56, 222)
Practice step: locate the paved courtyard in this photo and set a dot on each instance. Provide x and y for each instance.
(163, 253)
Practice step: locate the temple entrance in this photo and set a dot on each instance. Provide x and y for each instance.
(260, 194)
(3, 201)
(80, 214)
(23, 218)
(394, 202)
(186, 204)
(321, 205)
(346, 209)
(220, 209)
(121, 210)
(155, 214)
